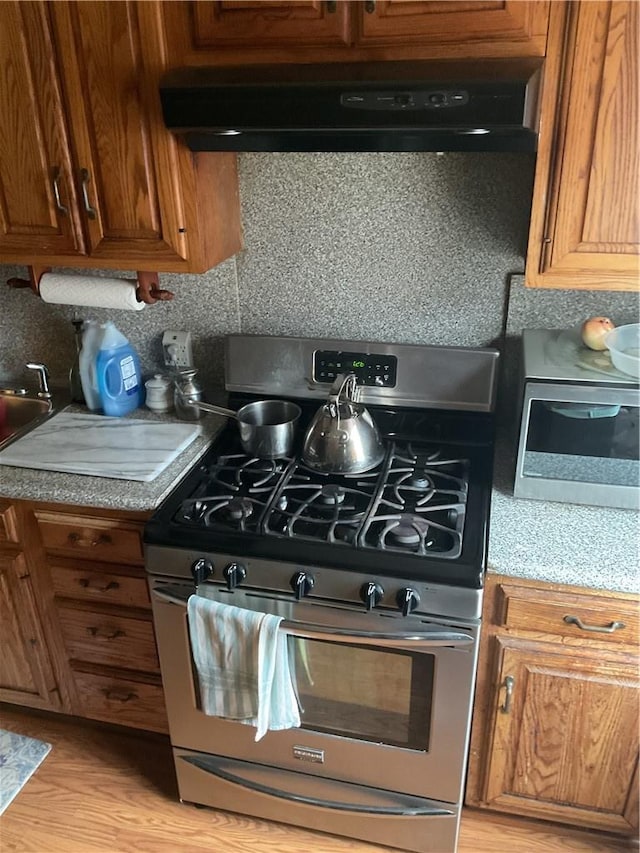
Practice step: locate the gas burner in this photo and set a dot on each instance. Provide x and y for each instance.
(420, 481)
(239, 509)
(408, 530)
(332, 494)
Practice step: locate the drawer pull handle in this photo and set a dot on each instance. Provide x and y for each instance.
(597, 629)
(85, 177)
(119, 695)
(80, 541)
(105, 633)
(99, 586)
(509, 684)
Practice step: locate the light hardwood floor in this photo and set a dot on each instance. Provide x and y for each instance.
(102, 789)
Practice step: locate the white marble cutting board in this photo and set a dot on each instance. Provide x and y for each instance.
(123, 448)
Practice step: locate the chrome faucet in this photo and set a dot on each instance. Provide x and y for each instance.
(43, 378)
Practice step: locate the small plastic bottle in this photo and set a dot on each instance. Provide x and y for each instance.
(87, 362)
(118, 373)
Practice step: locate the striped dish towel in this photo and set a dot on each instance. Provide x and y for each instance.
(242, 661)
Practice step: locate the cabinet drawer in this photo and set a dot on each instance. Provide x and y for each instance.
(107, 639)
(87, 584)
(579, 616)
(8, 523)
(122, 701)
(103, 539)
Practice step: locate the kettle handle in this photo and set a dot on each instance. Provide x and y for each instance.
(343, 384)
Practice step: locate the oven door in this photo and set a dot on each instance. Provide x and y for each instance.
(385, 701)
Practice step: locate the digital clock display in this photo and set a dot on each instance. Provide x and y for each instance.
(374, 369)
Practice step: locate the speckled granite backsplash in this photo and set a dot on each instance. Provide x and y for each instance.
(404, 247)
(415, 248)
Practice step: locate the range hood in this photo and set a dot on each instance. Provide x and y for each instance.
(384, 106)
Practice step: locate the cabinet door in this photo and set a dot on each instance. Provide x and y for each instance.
(458, 27)
(274, 23)
(38, 212)
(128, 210)
(26, 676)
(565, 736)
(585, 226)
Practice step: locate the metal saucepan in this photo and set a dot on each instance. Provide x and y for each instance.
(267, 427)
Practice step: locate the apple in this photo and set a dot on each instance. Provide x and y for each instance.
(594, 330)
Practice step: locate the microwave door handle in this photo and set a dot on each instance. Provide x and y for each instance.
(396, 639)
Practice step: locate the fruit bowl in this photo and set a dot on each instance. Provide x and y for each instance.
(623, 343)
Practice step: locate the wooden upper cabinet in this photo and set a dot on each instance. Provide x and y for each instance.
(585, 226)
(458, 27)
(130, 194)
(113, 133)
(233, 33)
(270, 24)
(37, 205)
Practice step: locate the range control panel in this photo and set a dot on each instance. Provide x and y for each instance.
(369, 368)
(403, 101)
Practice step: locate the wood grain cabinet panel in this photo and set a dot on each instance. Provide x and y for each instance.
(555, 732)
(585, 224)
(26, 675)
(231, 33)
(38, 209)
(93, 538)
(459, 27)
(110, 639)
(116, 699)
(8, 523)
(99, 584)
(274, 23)
(90, 175)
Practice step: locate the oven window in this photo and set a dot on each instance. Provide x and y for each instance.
(364, 692)
(583, 442)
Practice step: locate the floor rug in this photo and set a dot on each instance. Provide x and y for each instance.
(20, 757)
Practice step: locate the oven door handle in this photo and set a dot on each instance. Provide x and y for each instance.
(405, 805)
(391, 639)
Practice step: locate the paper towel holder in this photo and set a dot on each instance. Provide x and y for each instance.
(147, 291)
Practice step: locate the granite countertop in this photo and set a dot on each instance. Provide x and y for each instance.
(562, 543)
(105, 492)
(588, 546)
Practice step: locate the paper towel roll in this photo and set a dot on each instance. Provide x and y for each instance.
(90, 291)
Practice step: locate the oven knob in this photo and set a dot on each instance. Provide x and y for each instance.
(407, 600)
(201, 570)
(371, 593)
(234, 574)
(302, 584)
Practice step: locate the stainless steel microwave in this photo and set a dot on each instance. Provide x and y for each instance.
(579, 424)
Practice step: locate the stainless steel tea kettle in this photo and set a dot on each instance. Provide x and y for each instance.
(342, 437)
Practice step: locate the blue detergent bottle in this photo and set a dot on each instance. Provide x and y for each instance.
(118, 373)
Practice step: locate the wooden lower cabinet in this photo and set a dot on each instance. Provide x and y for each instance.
(77, 630)
(26, 674)
(555, 730)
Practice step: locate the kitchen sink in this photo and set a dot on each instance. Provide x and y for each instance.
(19, 413)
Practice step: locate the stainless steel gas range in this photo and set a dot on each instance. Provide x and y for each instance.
(379, 579)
